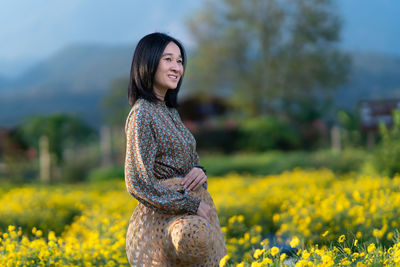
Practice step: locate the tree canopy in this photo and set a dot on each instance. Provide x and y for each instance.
(268, 56)
(62, 131)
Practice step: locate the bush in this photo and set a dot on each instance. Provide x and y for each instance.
(106, 173)
(274, 162)
(265, 133)
(387, 155)
(217, 140)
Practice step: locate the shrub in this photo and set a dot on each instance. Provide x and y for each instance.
(106, 173)
(266, 132)
(387, 155)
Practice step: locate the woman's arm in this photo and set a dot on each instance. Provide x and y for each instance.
(141, 151)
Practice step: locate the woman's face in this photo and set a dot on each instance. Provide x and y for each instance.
(169, 70)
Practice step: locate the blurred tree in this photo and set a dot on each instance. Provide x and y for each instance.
(115, 103)
(116, 108)
(387, 154)
(16, 156)
(62, 130)
(269, 56)
(350, 126)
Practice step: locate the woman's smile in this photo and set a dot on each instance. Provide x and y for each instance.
(169, 70)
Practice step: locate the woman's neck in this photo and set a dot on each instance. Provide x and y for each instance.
(160, 95)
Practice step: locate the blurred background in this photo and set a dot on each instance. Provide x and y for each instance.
(269, 85)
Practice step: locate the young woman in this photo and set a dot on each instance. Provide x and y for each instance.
(175, 222)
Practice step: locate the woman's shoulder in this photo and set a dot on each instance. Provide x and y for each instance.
(141, 112)
(142, 107)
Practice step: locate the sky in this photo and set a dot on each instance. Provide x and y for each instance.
(33, 30)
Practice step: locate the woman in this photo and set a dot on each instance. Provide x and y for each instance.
(175, 222)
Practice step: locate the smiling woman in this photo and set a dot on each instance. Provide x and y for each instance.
(175, 222)
(169, 71)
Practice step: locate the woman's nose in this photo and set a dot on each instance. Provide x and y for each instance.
(175, 66)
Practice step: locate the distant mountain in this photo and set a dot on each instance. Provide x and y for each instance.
(78, 68)
(76, 79)
(73, 80)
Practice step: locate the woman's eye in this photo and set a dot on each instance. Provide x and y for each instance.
(168, 59)
(179, 61)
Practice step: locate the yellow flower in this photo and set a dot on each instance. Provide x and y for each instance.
(39, 233)
(345, 261)
(355, 255)
(341, 238)
(305, 254)
(325, 233)
(389, 236)
(274, 251)
(258, 253)
(11, 228)
(241, 264)
(265, 242)
(283, 256)
(224, 260)
(326, 258)
(295, 242)
(358, 234)
(266, 260)
(355, 242)
(371, 248)
(347, 250)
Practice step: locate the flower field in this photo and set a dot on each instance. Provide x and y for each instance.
(302, 218)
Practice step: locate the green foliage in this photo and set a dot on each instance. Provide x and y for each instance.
(61, 129)
(387, 155)
(78, 162)
(265, 133)
(115, 104)
(350, 132)
(274, 162)
(268, 57)
(218, 140)
(106, 173)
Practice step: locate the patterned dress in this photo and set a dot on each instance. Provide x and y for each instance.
(159, 147)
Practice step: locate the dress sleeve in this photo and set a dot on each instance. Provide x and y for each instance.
(141, 152)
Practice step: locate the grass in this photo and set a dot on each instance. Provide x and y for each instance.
(275, 162)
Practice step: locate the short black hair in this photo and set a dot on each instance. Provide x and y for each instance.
(145, 62)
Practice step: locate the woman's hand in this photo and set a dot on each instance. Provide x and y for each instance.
(194, 179)
(204, 211)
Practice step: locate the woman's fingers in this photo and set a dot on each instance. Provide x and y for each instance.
(191, 175)
(195, 182)
(194, 179)
(200, 183)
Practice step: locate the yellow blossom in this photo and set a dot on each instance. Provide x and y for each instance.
(274, 251)
(258, 253)
(371, 248)
(265, 242)
(305, 255)
(295, 242)
(341, 238)
(283, 256)
(266, 260)
(223, 261)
